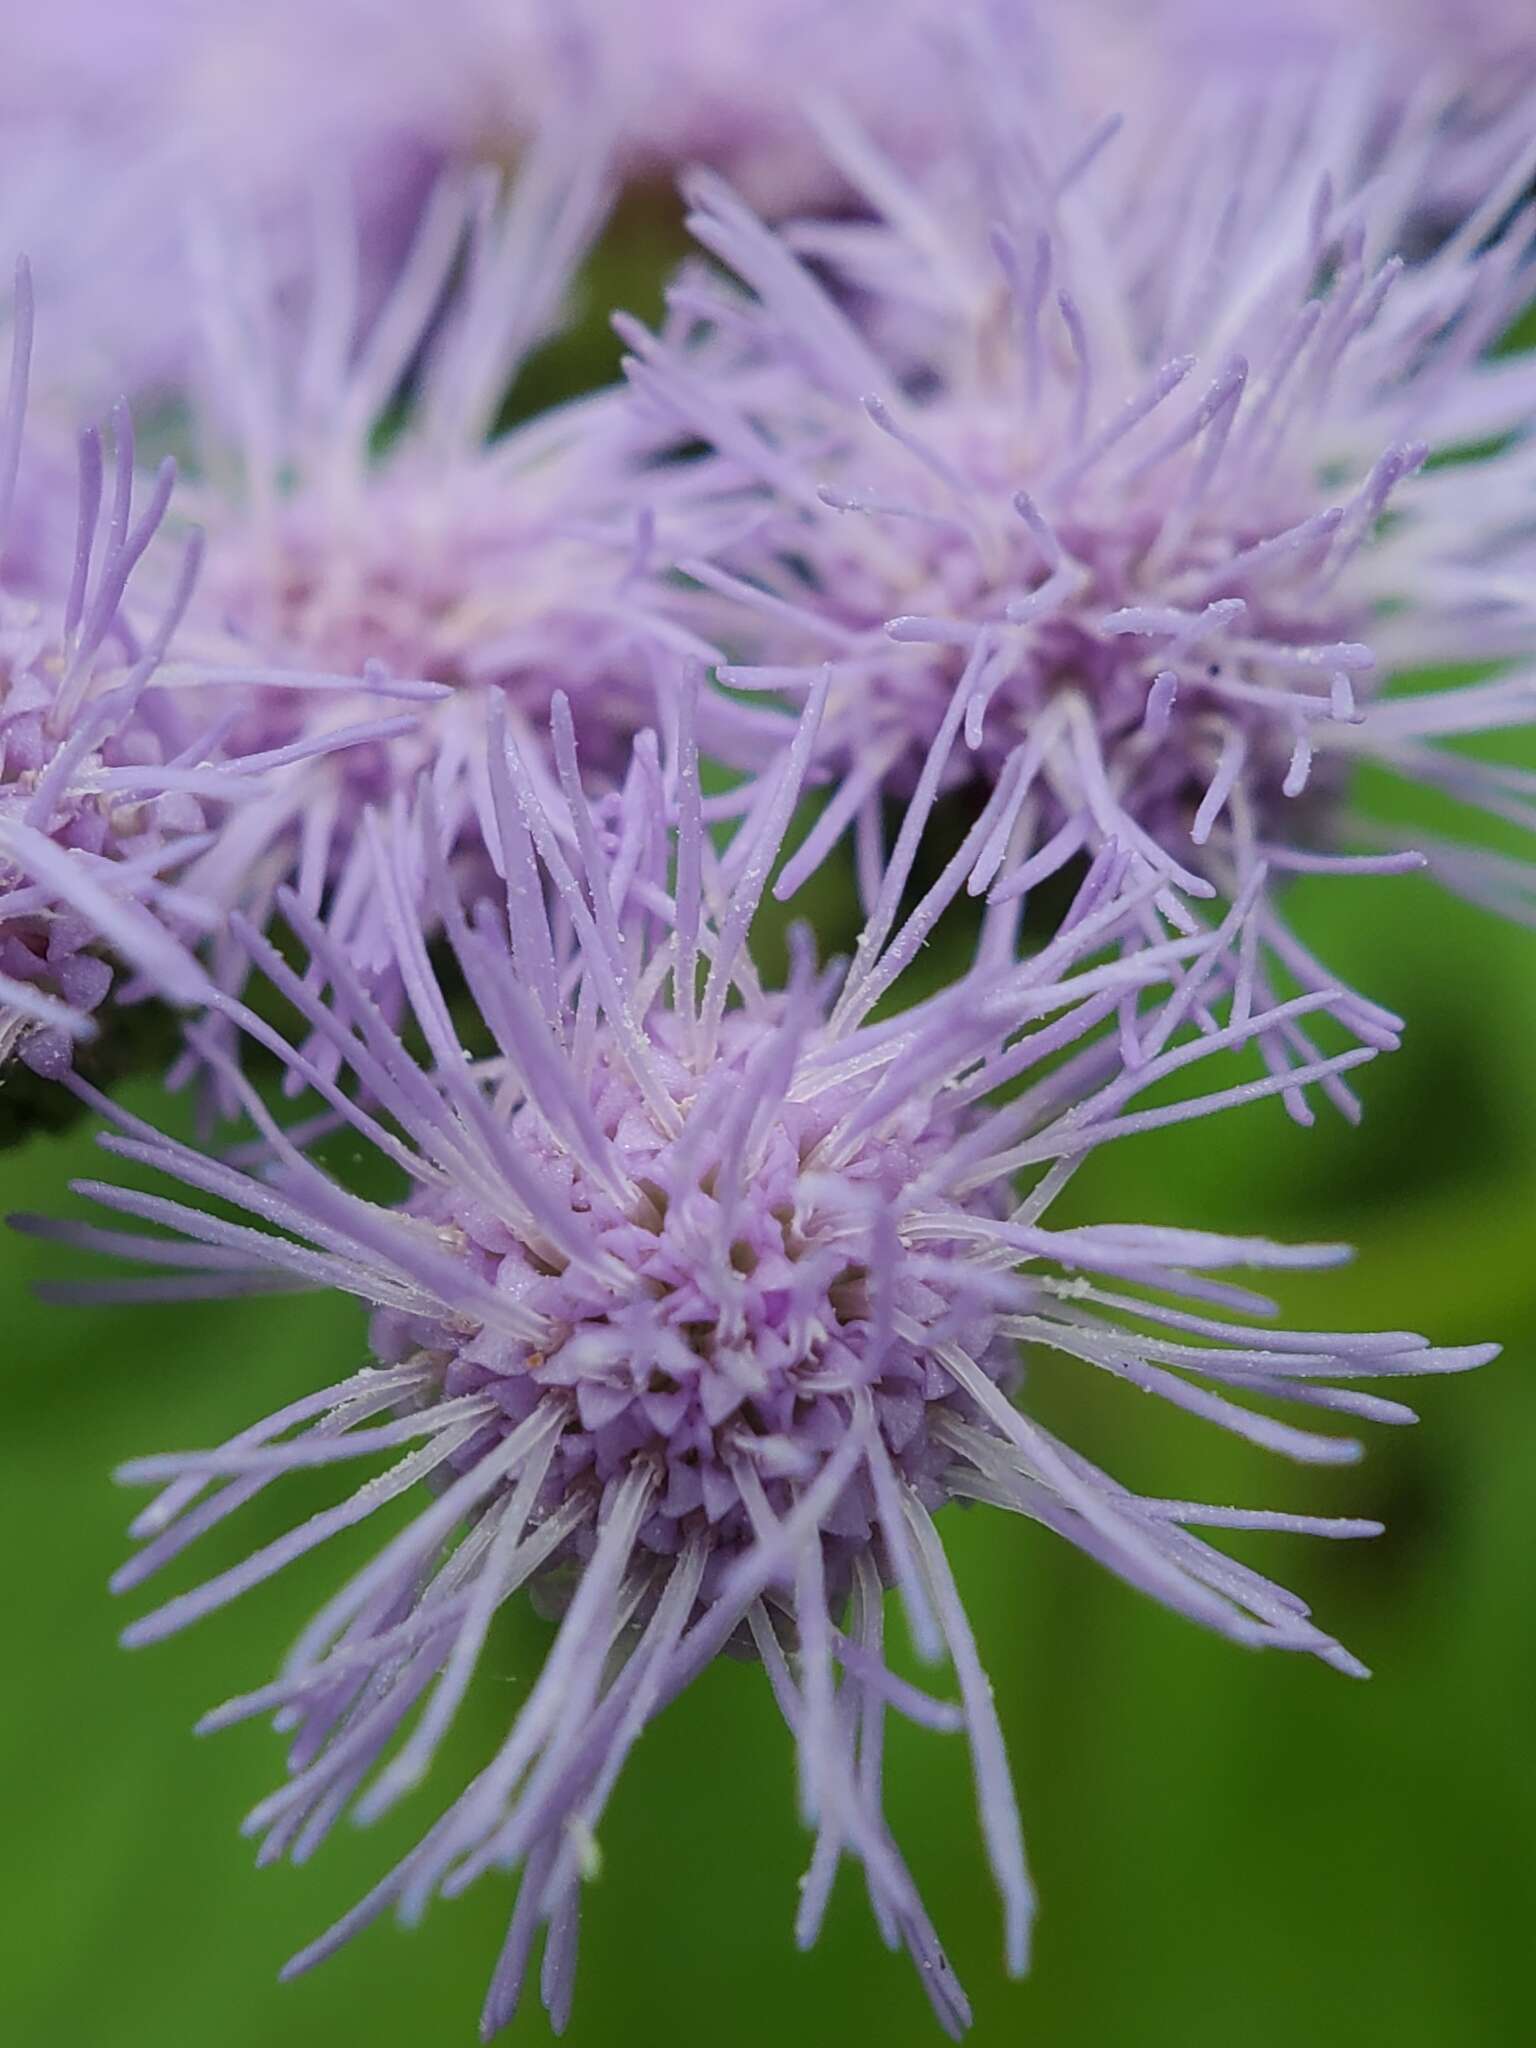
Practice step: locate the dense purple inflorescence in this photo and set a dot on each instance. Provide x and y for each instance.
(123, 767)
(1103, 479)
(116, 765)
(342, 538)
(704, 1299)
(1101, 476)
(90, 807)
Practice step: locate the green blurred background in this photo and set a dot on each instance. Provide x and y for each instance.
(1232, 1850)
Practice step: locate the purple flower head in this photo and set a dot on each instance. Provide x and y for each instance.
(342, 540)
(120, 762)
(106, 785)
(702, 1303)
(1102, 476)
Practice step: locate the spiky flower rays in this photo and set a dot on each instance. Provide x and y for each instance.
(703, 1301)
(1120, 477)
(115, 761)
(342, 537)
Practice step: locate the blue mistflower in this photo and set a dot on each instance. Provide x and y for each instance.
(117, 765)
(364, 517)
(1099, 476)
(702, 1301)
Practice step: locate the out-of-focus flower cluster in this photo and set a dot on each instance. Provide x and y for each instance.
(1078, 457)
(1141, 545)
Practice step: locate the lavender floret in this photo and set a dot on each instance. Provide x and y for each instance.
(103, 793)
(124, 776)
(1116, 489)
(365, 517)
(704, 1300)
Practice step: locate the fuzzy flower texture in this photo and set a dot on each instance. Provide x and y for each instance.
(703, 1301)
(220, 710)
(426, 548)
(120, 762)
(94, 810)
(1102, 474)
(1101, 509)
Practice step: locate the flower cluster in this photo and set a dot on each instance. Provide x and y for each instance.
(128, 773)
(1152, 541)
(486, 565)
(1076, 515)
(116, 770)
(717, 1294)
